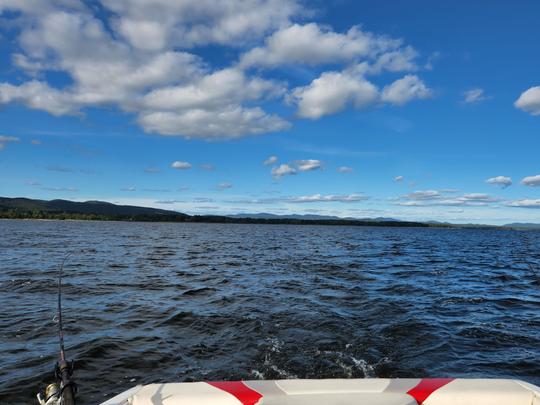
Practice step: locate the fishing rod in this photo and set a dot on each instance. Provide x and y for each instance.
(63, 391)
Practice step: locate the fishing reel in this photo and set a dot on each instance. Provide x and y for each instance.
(51, 395)
(64, 390)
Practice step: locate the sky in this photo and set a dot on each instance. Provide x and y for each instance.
(414, 110)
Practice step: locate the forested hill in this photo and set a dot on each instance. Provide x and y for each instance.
(64, 209)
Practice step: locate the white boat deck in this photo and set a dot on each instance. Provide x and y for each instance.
(376, 391)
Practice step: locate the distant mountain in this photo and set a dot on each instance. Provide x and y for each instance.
(265, 215)
(522, 225)
(42, 208)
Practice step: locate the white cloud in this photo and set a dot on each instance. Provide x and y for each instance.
(474, 96)
(424, 195)
(283, 170)
(399, 179)
(36, 142)
(526, 203)
(345, 169)
(208, 166)
(298, 166)
(532, 181)
(333, 92)
(224, 185)
(502, 181)
(308, 165)
(232, 122)
(404, 90)
(154, 24)
(311, 44)
(270, 161)
(137, 56)
(211, 92)
(399, 60)
(38, 95)
(6, 139)
(529, 101)
(327, 198)
(180, 165)
(478, 197)
(130, 189)
(172, 92)
(427, 198)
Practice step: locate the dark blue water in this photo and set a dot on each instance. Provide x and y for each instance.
(147, 302)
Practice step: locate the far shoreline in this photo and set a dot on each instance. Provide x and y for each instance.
(100, 211)
(307, 222)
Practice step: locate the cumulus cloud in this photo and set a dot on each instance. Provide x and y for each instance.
(298, 166)
(312, 44)
(208, 166)
(502, 181)
(526, 203)
(363, 52)
(211, 107)
(180, 165)
(270, 161)
(529, 101)
(130, 189)
(345, 169)
(328, 198)
(141, 57)
(404, 90)
(333, 92)
(211, 92)
(4, 139)
(229, 123)
(131, 64)
(398, 60)
(283, 170)
(399, 179)
(156, 24)
(308, 165)
(532, 181)
(474, 96)
(39, 96)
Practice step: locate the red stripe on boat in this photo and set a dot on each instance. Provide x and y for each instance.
(426, 387)
(239, 390)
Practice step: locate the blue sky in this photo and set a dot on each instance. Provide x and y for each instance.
(412, 110)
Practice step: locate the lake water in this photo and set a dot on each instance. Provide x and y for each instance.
(155, 302)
